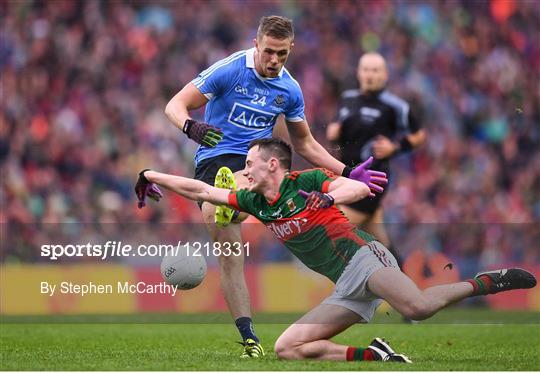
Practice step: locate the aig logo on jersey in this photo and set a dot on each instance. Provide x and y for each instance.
(245, 116)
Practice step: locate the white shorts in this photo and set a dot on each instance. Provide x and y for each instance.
(351, 289)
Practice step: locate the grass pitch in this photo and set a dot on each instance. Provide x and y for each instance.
(454, 340)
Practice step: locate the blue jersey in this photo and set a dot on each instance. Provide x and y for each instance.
(244, 104)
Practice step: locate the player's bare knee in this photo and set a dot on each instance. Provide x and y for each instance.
(285, 349)
(280, 350)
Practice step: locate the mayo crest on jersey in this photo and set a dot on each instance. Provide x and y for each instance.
(244, 104)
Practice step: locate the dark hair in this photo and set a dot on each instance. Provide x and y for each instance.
(275, 26)
(274, 148)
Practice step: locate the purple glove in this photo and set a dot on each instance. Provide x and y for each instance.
(369, 177)
(202, 133)
(144, 189)
(317, 200)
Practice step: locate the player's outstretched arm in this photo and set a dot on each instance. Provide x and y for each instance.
(189, 188)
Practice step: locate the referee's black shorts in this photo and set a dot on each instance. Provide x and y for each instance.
(207, 169)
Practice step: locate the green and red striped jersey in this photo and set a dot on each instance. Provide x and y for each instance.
(324, 240)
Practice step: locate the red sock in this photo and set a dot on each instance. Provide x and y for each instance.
(356, 353)
(350, 353)
(481, 285)
(368, 355)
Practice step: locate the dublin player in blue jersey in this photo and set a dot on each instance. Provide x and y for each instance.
(244, 94)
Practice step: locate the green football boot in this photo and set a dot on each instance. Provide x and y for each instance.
(224, 179)
(251, 349)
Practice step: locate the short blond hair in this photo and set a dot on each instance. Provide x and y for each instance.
(275, 26)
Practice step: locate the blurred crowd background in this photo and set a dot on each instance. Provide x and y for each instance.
(84, 86)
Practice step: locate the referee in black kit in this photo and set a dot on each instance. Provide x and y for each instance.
(373, 121)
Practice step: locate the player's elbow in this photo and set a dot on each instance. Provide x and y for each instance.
(176, 107)
(169, 109)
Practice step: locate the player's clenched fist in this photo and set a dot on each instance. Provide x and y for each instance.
(202, 133)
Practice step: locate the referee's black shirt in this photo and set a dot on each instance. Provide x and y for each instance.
(365, 116)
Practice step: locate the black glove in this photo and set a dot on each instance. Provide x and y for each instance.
(202, 133)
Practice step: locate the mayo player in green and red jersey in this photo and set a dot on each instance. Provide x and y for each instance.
(299, 208)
